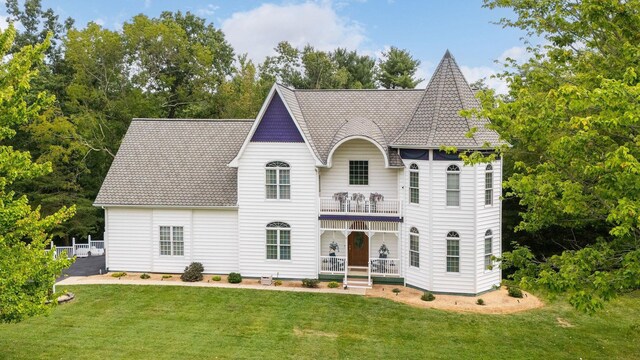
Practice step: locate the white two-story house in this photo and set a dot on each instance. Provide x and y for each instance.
(330, 184)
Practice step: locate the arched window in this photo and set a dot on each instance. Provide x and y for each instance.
(414, 247)
(488, 250)
(414, 184)
(488, 185)
(278, 241)
(453, 185)
(453, 252)
(278, 180)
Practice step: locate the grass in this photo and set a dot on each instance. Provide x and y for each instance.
(166, 322)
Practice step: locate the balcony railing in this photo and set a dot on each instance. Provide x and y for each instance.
(384, 266)
(353, 207)
(333, 264)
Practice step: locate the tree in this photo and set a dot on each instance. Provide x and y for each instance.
(27, 272)
(572, 117)
(243, 95)
(398, 69)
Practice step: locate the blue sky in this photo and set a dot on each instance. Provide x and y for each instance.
(425, 28)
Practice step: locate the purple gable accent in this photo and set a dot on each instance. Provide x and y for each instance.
(360, 218)
(277, 125)
(414, 154)
(442, 155)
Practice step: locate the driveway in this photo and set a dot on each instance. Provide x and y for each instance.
(86, 266)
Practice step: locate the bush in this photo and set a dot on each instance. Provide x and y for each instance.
(193, 272)
(119, 274)
(310, 283)
(277, 282)
(167, 276)
(216, 278)
(396, 291)
(145, 276)
(480, 302)
(514, 292)
(427, 296)
(234, 278)
(333, 285)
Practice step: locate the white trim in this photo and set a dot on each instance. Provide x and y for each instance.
(263, 109)
(360, 137)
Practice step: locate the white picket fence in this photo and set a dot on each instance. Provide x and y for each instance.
(91, 248)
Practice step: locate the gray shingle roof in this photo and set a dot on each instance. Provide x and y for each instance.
(175, 163)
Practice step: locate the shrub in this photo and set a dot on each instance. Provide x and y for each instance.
(333, 284)
(480, 302)
(310, 283)
(145, 276)
(427, 296)
(514, 292)
(277, 282)
(396, 291)
(234, 278)
(193, 272)
(119, 274)
(216, 278)
(167, 276)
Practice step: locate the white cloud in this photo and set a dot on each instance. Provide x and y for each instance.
(517, 53)
(472, 74)
(99, 21)
(259, 30)
(208, 10)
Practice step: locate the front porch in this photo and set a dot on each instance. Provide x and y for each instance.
(359, 250)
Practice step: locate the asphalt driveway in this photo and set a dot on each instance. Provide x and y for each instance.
(86, 266)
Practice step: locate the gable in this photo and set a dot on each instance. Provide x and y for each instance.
(277, 125)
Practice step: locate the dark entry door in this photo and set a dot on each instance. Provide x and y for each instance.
(358, 249)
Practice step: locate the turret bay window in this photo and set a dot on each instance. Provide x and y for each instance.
(488, 250)
(414, 247)
(488, 185)
(278, 180)
(414, 181)
(172, 240)
(278, 241)
(358, 172)
(453, 185)
(453, 252)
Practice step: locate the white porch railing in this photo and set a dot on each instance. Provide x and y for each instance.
(64, 249)
(384, 266)
(92, 247)
(333, 264)
(384, 207)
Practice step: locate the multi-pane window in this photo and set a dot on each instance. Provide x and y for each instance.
(278, 180)
(453, 185)
(172, 240)
(278, 241)
(414, 247)
(488, 185)
(358, 172)
(414, 181)
(488, 250)
(453, 252)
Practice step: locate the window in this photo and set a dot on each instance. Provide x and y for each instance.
(414, 247)
(488, 250)
(278, 182)
(488, 185)
(414, 181)
(358, 172)
(453, 185)
(278, 241)
(453, 252)
(172, 240)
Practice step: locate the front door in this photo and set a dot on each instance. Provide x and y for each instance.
(358, 249)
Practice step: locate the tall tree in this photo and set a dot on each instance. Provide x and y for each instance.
(398, 69)
(27, 272)
(571, 116)
(243, 95)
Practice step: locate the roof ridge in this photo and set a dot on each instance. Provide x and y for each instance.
(432, 132)
(192, 119)
(356, 90)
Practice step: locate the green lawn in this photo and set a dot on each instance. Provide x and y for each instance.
(167, 322)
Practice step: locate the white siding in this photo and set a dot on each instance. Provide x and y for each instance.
(129, 239)
(169, 217)
(336, 178)
(215, 240)
(389, 239)
(329, 236)
(488, 217)
(300, 212)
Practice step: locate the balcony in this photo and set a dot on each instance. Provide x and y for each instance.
(388, 208)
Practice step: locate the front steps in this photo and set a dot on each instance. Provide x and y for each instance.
(357, 278)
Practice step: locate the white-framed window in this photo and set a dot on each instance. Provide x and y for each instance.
(414, 184)
(358, 172)
(488, 185)
(453, 252)
(278, 241)
(453, 185)
(488, 250)
(414, 247)
(278, 180)
(172, 240)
